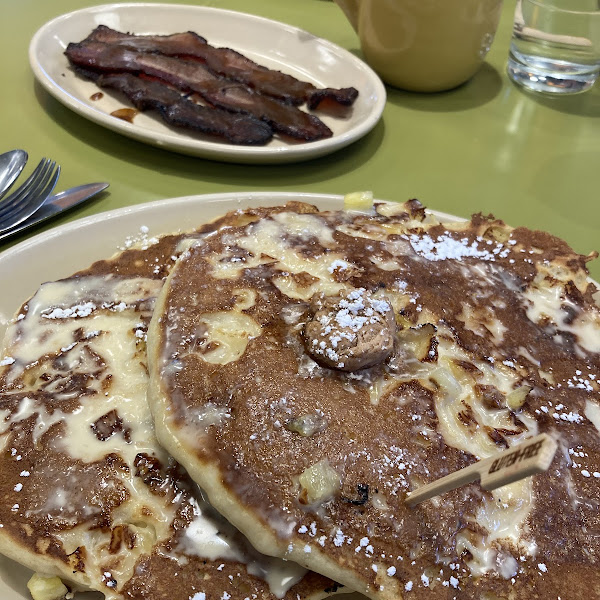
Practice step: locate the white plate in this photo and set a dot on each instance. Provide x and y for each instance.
(273, 44)
(74, 246)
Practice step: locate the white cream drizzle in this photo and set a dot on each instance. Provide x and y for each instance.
(592, 412)
(548, 301)
(504, 516)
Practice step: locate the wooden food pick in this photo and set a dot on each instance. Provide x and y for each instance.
(534, 455)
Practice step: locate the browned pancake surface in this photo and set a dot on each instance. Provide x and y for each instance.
(513, 351)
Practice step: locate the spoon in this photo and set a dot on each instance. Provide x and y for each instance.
(11, 165)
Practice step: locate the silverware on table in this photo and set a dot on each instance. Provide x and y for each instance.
(20, 205)
(11, 165)
(57, 204)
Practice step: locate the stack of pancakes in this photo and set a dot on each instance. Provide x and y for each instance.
(308, 370)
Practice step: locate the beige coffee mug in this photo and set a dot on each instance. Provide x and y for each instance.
(424, 45)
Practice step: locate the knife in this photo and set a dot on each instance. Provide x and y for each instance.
(57, 204)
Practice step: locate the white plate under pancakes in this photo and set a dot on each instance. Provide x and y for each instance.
(270, 43)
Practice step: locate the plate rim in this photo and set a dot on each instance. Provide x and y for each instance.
(200, 148)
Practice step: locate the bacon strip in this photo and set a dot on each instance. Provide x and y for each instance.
(192, 76)
(228, 63)
(177, 110)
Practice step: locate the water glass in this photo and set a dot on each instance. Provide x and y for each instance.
(555, 47)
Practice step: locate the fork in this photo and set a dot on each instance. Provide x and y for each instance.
(17, 207)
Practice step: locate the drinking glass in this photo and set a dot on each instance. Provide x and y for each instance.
(555, 47)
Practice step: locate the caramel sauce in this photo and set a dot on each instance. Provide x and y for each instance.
(127, 114)
(97, 96)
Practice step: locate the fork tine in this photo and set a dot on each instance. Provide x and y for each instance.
(45, 179)
(52, 181)
(31, 187)
(9, 202)
(34, 200)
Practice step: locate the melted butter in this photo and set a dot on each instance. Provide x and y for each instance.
(227, 335)
(279, 575)
(497, 329)
(482, 322)
(244, 298)
(226, 266)
(286, 285)
(453, 396)
(479, 272)
(211, 536)
(305, 226)
(114, 315)
(592, 412)
(268, 237)
(381, 232)
(548, 301)
(504, 516)
(384, 264)
(38, 334)
(208, 539)
(265, 243)
(484, 558)
(27, 408)
(381, 387)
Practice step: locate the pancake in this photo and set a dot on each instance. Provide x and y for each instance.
(87, 493)
(310, 369)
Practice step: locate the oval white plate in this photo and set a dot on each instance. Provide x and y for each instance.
(270, 43)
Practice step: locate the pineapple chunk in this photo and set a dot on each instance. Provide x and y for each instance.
(319, 483)
(45, 587)
(359, 201)
(516, 398)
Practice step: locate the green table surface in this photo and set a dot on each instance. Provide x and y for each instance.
(486, 146)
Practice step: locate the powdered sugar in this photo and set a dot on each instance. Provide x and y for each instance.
(80, 310)
(141, 240)
(445, 247)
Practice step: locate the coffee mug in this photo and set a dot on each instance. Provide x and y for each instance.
(424, 45)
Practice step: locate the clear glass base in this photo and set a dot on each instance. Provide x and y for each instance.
(550, 76)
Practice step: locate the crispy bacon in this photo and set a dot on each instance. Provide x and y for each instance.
(175, 109)
(228, 63)
(191, 76)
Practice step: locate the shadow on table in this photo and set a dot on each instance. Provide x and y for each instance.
(163, 161)
(483, 87)
(586, 104)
